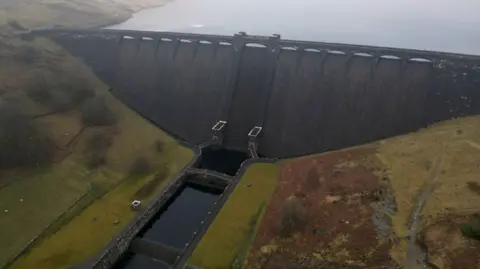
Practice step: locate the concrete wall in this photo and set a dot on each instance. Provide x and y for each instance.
(329, 101)
(308, 96)
(179, 85)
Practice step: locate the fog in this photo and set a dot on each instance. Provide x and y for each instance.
(441, 25)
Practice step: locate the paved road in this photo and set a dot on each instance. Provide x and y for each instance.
(445, 25)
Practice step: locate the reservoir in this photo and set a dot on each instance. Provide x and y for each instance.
(441, 25)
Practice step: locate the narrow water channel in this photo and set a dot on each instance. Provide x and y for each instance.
(174, 226)
(181, 219)
(138, 261)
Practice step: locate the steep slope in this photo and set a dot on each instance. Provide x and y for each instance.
(73, 157)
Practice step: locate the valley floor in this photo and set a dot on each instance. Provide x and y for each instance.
(381, 205)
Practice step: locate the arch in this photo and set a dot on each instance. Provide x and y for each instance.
(224, 43)
(363, 54)
(419, 60)
(255, 45)
(289, 48)
(390, 57)
(336, 52)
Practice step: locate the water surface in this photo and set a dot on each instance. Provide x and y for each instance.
(142, 262)
(182, 218)
(443, 25)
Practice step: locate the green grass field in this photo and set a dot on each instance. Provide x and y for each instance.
(86, 234)
(44, 197)
(228, 239)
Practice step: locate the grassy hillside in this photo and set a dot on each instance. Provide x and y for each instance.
(82, 145)
(441, 162)
(34, 14)
(72, 156)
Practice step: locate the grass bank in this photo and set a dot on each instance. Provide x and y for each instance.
(86, 234)
(228, 239)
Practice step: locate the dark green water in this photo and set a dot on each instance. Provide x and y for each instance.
(175, 225)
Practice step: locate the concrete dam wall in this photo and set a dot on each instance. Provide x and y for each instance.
(308, 97)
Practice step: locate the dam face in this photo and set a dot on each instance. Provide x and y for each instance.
(307, 97)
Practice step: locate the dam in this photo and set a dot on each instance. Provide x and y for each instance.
(297, 97)
(241, 99)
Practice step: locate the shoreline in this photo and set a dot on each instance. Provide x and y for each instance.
(102, 26)
(72, 14)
